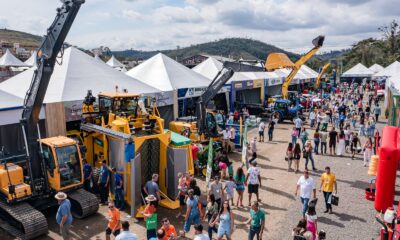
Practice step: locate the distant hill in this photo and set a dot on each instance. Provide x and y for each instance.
(25, 39)
(229, 47)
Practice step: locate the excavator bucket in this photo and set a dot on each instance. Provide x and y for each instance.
(277, 61)
(318, 41)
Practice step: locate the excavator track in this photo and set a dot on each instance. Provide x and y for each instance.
(22, 220)
(83, 203)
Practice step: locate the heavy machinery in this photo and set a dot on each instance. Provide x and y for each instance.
(29, 181)
(123, 119)
(318, 80)
(280, 60)
(204, 125)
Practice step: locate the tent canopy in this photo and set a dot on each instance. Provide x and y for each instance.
(32, 60)
(166, 74)
(113, 62)
(376, 68)
(70, 81)
(9, 100)
(308, 71)
(391, 70)
(209, 68)
(9, 60)
(358, 70)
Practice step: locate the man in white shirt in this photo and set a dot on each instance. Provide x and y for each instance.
(125, 234)
(261, 128)
(306, 186)
(312, 119)
(254, 179)
(298, 123)
(226, 135)
(198, 231)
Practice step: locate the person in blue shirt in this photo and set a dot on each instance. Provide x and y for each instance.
(104, 180)
(64, 216)
(118, 190)
(87, 170)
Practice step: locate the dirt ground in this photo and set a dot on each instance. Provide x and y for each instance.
(353, 219)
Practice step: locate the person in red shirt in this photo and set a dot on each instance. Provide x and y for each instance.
(148, 212)
(169, 229)
(195, 150)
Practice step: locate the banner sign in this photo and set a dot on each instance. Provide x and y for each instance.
(244, 147)
(209, 162)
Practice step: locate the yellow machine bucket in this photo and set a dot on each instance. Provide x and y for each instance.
(277, 61)
(168, 203)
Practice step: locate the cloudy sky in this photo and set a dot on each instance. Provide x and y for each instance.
(165, 24)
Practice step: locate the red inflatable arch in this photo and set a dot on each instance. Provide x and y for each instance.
(389, 156)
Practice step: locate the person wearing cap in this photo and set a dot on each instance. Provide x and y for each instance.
(114, 221)
(126, 234)
(253, 179)
(104, 180)
(170, 231)
(64, 216)
(148, 212)
(118, 189)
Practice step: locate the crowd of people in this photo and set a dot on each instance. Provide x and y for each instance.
(344, 123)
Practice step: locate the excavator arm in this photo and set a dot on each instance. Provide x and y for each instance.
(212, 90)
(318, 80)
(52, 44)
(317, 42)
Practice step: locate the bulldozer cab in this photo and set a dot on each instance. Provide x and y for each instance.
(63, 162)
(119, 103)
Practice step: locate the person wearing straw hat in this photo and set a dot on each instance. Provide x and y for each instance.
(148, 212)
(64, 216)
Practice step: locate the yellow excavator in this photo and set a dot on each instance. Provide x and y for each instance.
(318, 80)
(280, 60)
(29, 181)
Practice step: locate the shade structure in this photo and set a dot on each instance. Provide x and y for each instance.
(113, 62)
(70, 81)
(9, 60)
(359, 70)
(209, 68)
(309, 71)
(391, 70)
(8, 100)
(166, 74)
(376, 68)
(32, 60)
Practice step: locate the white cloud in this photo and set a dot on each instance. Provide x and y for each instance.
(131, 14)
(169, 14)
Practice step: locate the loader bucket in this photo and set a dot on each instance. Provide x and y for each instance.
(277, 61)
(318, 41)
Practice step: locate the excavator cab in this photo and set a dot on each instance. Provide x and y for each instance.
(63, 162)
(119, 104)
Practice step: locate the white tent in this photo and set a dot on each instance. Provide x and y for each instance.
(166, 74)
(209, 68)
(376, 68)
(308, 71)
(113, 62)
(9, 100)
(392, 69)
(70, 81)
(358, 70)
(32, 60)
(9, 60)
(97, 57)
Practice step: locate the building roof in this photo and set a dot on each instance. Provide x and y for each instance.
(376, 68)
(113, 62)
(32, 59)
(358, 70)
(392, 69)
(166, 74)
(9, 60)
(70, 81)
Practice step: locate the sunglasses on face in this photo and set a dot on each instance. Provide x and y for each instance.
(111, 207)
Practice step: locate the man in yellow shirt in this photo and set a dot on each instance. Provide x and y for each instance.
(328, 182)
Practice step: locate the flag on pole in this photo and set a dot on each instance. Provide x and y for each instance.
(244, 147)
(209, 161)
